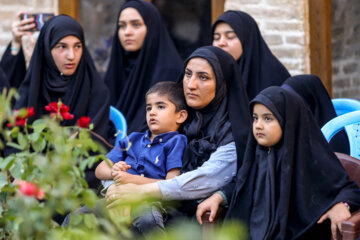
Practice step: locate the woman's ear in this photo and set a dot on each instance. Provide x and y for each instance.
(182, 116)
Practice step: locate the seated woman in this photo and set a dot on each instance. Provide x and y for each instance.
(290, 181)
(61, 68)
(313, 92)
(217, 132)
(142, 54)
(237, 33)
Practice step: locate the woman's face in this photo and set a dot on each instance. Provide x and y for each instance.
(132, 29)
(226, 39)
(67, 54)
(266, 128)
(199, 83)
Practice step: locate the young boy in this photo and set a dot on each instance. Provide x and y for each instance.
(157, 153)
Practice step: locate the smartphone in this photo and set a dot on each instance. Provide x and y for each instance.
(40, 19)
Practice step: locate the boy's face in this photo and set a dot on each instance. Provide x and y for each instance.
(266, 128)
(160, 114)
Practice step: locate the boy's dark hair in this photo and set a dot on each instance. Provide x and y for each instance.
(172, 90)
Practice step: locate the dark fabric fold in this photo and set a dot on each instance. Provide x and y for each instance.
(14, 66)
(314, 93)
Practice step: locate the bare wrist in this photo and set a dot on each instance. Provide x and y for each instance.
(15, 47)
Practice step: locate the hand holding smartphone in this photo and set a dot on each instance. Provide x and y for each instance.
(40, 19)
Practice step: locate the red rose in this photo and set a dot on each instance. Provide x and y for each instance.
(58, 108)
(30, 112)
(21, 120)
(83, 122)
(30, 189)
(67, 115)
(52, 107)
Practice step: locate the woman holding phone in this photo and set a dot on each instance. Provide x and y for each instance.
(61, 68)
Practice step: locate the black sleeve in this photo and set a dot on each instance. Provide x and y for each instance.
(14, 66)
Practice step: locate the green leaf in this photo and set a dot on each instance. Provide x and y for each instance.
(90, 221)
(83, 165)
(22, 140)
(14, 145)
(75, 219)
(39, 145)
(39, 125)
(34, 136)
(16, 171)
(6, 163)
(3, 180)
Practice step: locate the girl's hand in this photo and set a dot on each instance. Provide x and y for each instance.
(338, 213)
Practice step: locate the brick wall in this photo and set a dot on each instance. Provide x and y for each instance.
(283, 27)
(8, 10)
(345, 32)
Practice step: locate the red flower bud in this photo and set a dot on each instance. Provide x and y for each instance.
(31, 189)
(83, 122)
(27, 188)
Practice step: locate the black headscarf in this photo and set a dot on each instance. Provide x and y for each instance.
(258, 66)
(313, 92)
(131, 74)
(84, 91)
(282, 192)
(225, 119)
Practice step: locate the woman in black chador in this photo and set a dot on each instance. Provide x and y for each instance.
(313, 92)
(142, 55)
(237, 33)
(290, 181)
(61, 68)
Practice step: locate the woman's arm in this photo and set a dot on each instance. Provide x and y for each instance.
(200, 183)
(218, 171)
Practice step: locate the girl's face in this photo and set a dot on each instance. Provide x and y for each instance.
(266, 128)
(199, 83)
(67, 54)
(226, 39)
(132, 29)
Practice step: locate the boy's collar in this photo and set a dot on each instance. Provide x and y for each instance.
(161, 137)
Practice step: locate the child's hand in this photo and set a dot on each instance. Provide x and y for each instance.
(121, 166)
(121, 177)
(338, 213)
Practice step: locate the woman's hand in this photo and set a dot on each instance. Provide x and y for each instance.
(131, 192)
(338, 213)
(121, 177)
(210, 204)
(20, 28)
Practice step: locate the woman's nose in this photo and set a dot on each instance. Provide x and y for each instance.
(71, 53)
(192, 83)
(128, 30)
